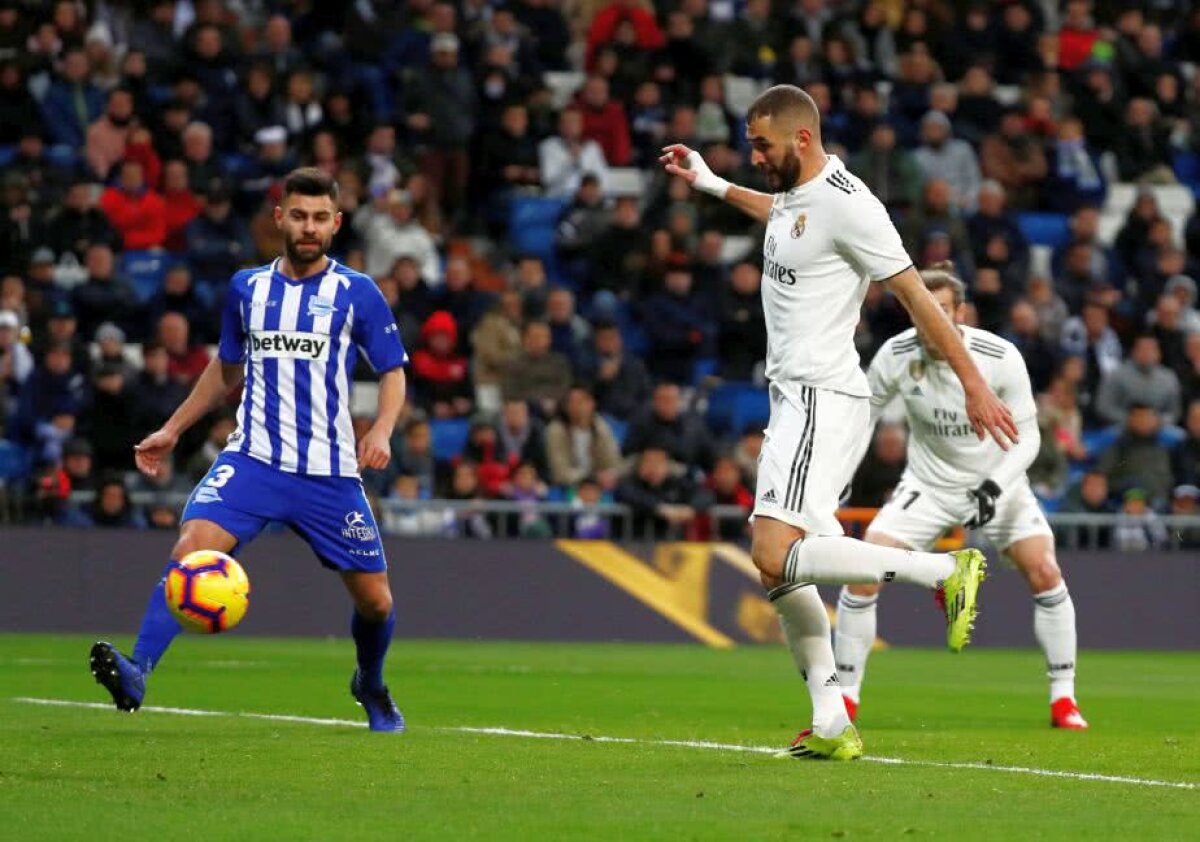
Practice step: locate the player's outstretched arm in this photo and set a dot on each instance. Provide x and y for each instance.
(987, 413)
(686, 163)
(215, 382)
(375, 449)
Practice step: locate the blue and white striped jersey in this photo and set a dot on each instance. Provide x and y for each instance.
(299, 341)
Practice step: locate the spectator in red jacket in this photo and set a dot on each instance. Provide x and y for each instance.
(1078, 35)
(604, 122)
(186, 361)
(182, 204)
(138, 213)
(440, 374)
(606, 22)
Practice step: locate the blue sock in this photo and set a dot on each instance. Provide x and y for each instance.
(372, 641)
(158, 629)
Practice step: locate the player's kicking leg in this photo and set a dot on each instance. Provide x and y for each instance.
(125, 677)
(1053, 624)
(372, 627)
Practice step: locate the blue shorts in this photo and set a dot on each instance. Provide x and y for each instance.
(242, 495)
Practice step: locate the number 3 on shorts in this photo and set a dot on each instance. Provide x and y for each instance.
(221, 475)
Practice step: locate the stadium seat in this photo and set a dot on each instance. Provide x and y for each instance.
(145, 271)
(449, 437)
(703, 368)
(734, 406)
(625, 181)
(1187, 168)
(14, 461)
(1044, 229)
(531, 224)
(619, 428)
(7, 152)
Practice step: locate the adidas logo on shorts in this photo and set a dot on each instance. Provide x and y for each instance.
(769, 497)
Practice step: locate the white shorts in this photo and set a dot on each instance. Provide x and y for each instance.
(813, 444)
(918, 515)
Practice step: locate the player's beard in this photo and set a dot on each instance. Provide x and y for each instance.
(786, 175)
(302, 252)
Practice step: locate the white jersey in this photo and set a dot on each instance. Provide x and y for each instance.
(943, 449)
(826, 240)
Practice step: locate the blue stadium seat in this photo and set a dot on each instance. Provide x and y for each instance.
(449, 437)
(7, 152)
(14, 461)
(734, 406)
(1187, 168)
(145, 271)
(531, 224)
(706, 367)
(619, 428)
(1044, 229)
(1098, 441)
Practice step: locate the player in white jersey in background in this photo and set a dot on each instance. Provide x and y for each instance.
(953, 479)
(827, 238)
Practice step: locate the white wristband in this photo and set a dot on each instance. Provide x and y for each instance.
(706, 181)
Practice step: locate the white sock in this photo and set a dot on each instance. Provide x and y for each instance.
(838, 560)
(1054, 626)
(853, 640)
(806, 628)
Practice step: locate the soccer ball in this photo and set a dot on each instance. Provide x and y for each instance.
(207, 591)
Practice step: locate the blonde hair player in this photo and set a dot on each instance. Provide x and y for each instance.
(827, 238)
(953, 478)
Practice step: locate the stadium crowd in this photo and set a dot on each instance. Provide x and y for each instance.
(571, 337)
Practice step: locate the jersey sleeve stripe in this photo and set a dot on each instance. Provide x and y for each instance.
(886, 278)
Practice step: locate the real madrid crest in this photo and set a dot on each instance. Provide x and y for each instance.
(798, 226)
(916, 369)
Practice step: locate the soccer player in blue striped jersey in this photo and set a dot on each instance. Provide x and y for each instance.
(291, 332)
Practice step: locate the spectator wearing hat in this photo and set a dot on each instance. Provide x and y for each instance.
(110, 352)
(942, 156)
(16, 361)
(77, 223)
(1185, 502)
(103, 297)
(1142, 380)
(441, 376)
(217, 241)
(79, 465)
(390, 231)
(270, 165)
(443, 110)
(1138, 528)
(61, 326)
(107, 420)
(566, 158)
(72, 102)
(136, 212)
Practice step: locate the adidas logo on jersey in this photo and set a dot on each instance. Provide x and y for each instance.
(916, 392)
(769, 497)
(289, 345)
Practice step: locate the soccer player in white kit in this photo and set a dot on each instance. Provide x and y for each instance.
(827, 238)
(953, 479)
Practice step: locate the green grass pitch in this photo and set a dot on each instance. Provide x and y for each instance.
(77, 772)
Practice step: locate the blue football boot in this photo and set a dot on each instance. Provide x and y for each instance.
(120, 676)
(382, 713)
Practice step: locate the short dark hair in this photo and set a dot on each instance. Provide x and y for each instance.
(310, 181)
(785, 99)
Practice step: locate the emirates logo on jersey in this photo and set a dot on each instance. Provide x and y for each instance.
(799, 225)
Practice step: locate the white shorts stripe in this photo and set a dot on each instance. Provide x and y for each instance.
(288, 435)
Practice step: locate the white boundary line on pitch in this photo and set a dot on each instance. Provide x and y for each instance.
(699, 744)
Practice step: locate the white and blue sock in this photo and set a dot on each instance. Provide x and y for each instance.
(159, 627)
(1054, 627)
(372, 640)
